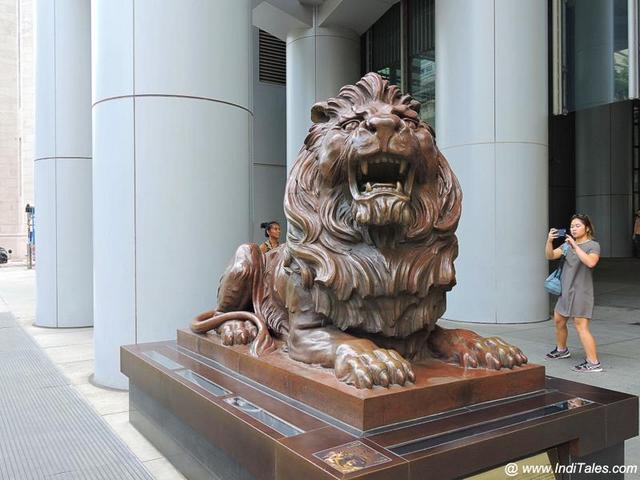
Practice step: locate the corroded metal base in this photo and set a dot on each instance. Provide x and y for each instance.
(235, 427)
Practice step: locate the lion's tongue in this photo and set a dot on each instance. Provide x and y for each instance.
(383, 186)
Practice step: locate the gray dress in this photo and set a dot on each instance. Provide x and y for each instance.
(577, 284)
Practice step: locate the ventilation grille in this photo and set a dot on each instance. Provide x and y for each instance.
(273, 54)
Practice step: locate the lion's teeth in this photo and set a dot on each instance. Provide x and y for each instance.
(403, 166)
(399, 186)
(368, 187)
(364, 166)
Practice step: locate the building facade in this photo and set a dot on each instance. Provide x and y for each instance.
(16, 123)
(164, 134)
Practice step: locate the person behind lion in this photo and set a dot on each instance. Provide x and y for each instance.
(576, 300)
(272, 232)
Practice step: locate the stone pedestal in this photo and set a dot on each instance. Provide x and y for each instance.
(216, 412)
(439, 386)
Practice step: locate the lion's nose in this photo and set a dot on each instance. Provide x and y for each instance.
(384, 127)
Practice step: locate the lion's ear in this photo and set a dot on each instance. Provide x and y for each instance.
(319, 113)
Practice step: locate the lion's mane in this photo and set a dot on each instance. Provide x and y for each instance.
(399, 289)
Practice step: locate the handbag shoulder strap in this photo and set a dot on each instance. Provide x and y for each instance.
(565, 250)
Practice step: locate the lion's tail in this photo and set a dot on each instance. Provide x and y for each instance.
(263, 343)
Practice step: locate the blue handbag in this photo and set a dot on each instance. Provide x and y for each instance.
(553, 283)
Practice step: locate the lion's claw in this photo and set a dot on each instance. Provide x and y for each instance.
(470, 350)
(495, 353)
(237, 332)
(365, 367)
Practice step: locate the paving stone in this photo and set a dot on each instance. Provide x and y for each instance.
(47, 431)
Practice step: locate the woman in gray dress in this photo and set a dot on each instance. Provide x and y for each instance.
(582, 254)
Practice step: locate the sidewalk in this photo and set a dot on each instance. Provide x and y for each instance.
(47, 431)
(71, 350)
(616, 327)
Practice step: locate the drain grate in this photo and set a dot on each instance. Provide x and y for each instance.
(46, 429)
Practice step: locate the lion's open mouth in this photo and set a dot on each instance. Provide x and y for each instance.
(381, 175)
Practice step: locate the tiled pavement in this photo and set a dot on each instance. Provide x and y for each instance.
(616, 327)
(47, 431)
(71, 350)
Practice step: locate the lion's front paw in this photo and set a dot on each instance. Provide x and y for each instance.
(494, 353)
(237, 332)
(367, 366)
(471, 350)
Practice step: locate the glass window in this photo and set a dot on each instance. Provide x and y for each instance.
(422, 55)
(596, 52)
(385, 45)
(405, 60)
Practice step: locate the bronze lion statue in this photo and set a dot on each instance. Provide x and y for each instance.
(372, 207)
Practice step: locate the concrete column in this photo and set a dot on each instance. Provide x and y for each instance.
(172, 120)
(491, 111)
(604, 155)
(63, 163)
(319, 62)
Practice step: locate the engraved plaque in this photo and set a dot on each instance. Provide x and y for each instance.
(351, 457)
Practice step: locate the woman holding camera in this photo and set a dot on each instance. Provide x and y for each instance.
(582, 255)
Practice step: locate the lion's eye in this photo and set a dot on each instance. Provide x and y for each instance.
(350, 125)
(410, 123)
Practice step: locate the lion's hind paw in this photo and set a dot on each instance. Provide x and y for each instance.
(237, 332)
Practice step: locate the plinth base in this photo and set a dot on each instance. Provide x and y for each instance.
(439, 386)
(211, 422)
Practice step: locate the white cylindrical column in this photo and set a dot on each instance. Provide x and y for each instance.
(319, 62)
(172, 119)
(491, 110)
(63, 163)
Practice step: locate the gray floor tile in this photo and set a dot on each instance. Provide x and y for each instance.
(46, 429)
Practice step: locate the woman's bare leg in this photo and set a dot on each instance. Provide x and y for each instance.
(561, 330)
(588, 342)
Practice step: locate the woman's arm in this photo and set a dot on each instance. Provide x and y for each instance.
(549, 252)
(589, 259)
